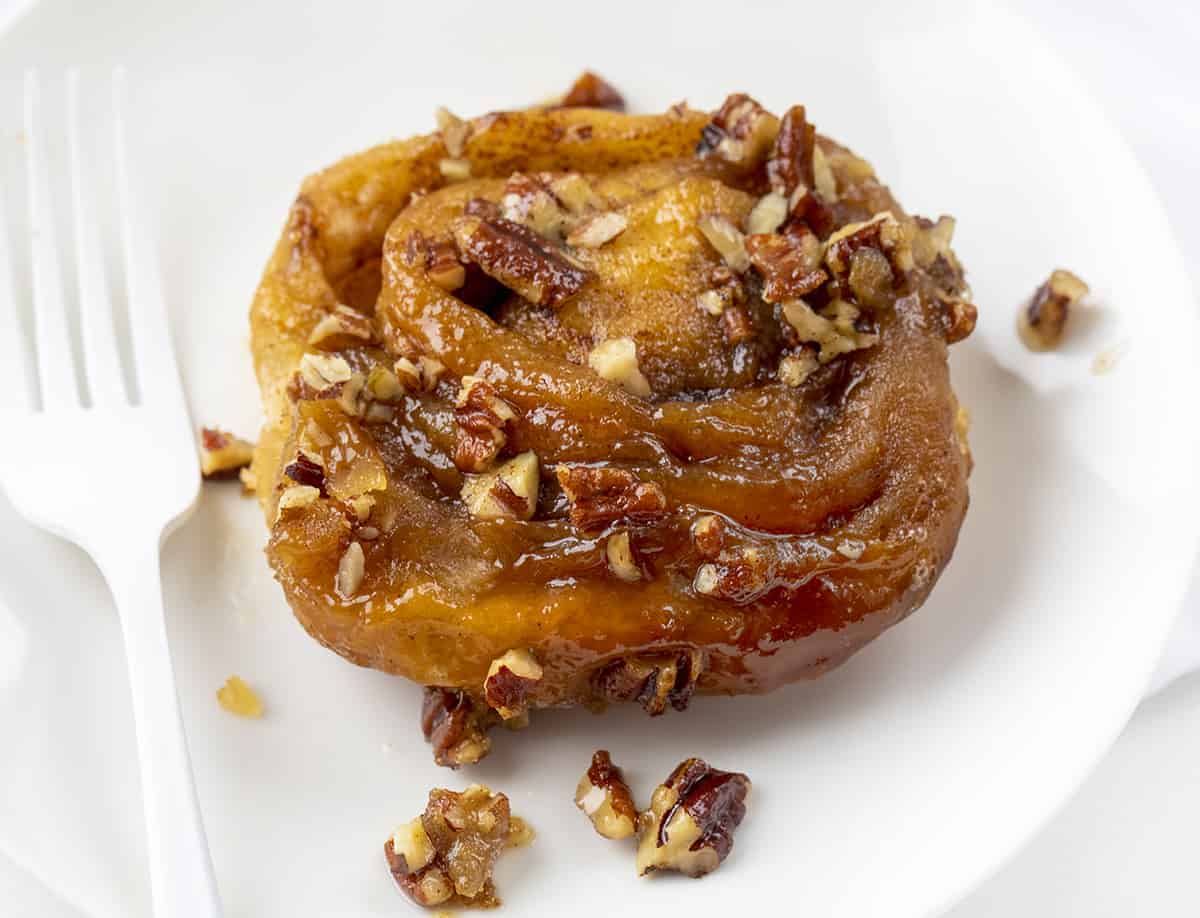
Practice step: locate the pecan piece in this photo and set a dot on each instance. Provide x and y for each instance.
(832, 330)
(605, 798)
(727, 239)
(653, 681)
(600, 496)
(341, 327)
(509, 491)
(520, 259)
(737, 324)
(306, 470)
(455, 726)
(222, 455)
(740, 132)
(529, 201)
(882, 232)
(623, 559)
(616, 360)
(790, 164)
(590, 91)
(1043, 320)
(510, 679)
(692, 817)
(788, 262)
(447, 855)
(958, 317)
(482, 419)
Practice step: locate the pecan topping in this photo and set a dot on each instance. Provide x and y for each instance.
(882, 233)
(740, 132)
(482, 418)
(958, 317)
(653, 681)
(222, 455)
(520, 259)
(605, 495)
(529, 201)
(321, 372)
(455, 726)
(443, 267)
(509, 681)
(790, 164)
(727, 239)
(509, 491)
(350, 572)
(794, 369)
(768, 213)
(605, 798)
(419, 375)
(306, 470)
(708, 535)
(740, 576)
(788, 262)
(693, 814)
(341, 327)
(454, 131)
(590, 91)
(737, 324)
(1042, 322)
(447, 855)
(616, 360)
(623, 558)
(296, 497)
(592, 232)
(455, 170)
(832, 330)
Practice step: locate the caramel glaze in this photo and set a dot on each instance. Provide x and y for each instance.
(864, 450)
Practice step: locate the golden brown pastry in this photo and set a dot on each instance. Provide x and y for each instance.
(573, 406)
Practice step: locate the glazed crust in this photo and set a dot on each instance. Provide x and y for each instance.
(838, 501)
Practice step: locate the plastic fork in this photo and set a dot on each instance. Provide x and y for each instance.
(113, 474)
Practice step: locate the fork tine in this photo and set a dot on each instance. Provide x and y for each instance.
(102, 361)
(154, 355)
(56, 370)
(13, 376)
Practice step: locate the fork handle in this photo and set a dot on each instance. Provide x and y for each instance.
(182, 882)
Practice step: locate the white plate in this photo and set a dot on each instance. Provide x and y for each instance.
(888, 788)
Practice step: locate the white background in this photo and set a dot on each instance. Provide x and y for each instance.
(1125, 845)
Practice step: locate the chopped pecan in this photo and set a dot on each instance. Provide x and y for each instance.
(222, 455)
(790, 164)
(529, 201)
(238, 698)
(794, 369)
(509, 491)
(420, 374)
(727, 239)
(305, 469)
(454, 131)
(739, 576)
(740, 132)
(958, 318)
(575, 193)
(605, 798)
(296, 497)
(520, 259)
(616, 360)
(788, 262)
(455, 170)
(832, 330)
(590, 91)
(768, 213)
(1042, 321)
(443, 266)
(882, 232)
(455, 726)
(510, 679)
(482, 419)
(341, 327)
(594, 231)
(652, 680)
(447, 855)
(708, 535)
(321, 372)
(692, 817)
(823, 178)
(623, 559)
(600, 496)
(737, 324)
(350, 572)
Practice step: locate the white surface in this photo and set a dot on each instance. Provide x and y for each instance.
(958, 637)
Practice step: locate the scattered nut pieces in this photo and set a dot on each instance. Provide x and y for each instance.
(708, 535)
(790, 165)
(605, 798)
(520, 259)
(222, 455)
(447, 855)
(619, 553)
(653, 681)
(591, 91)
(454, 131)
(715, 301)
(455, 726)
(851, 548)
(296, 497)
(741, 132)
(443, 266)
(601, 496)
(510, 679)
(823, 177)
(593, 232)
(350, 572)
(530, 202)
(616, 360)
(768, 214)
(794, 369)
(1042, 322)
(420, 375)
(507, 492)
(882, 232)
(575, 193)
(341, 324)
(323, 371)
(236, 697)
(727, 239)
(482, 418)
(832, 330)
(789, 263)
(307, 469)
(692, 817)
(455, 170)
(737, 324)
